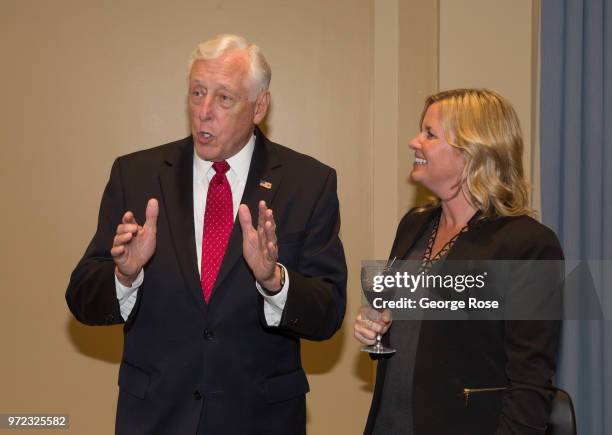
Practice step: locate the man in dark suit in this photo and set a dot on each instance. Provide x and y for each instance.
(214, 306)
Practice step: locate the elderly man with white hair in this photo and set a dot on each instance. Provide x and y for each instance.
(218, 252)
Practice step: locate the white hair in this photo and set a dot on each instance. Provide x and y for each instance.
(221, 44)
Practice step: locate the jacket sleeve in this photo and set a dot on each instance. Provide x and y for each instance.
(91, 293)
(316, 299)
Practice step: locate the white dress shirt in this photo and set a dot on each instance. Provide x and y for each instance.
(203, 172)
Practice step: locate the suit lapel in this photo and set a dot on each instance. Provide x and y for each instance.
(176, 182)
(262, 184)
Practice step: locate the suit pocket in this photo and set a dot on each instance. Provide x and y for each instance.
(285, 387)
(134, 380)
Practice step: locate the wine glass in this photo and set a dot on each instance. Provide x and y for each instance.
(369, 272)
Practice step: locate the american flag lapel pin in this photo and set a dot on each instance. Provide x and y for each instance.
(265, 184)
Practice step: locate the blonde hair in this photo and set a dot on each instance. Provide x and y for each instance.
(218, 45)
(485, 128)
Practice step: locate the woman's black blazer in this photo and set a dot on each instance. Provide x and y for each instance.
(518, 355)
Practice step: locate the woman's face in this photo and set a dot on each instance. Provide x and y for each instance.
(437, 165)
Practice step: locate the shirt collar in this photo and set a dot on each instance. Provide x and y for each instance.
(239, 162)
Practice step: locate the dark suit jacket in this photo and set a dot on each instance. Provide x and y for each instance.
(218, 367)
(519, 355)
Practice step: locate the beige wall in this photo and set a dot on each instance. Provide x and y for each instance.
(494, 44)
(85, 81)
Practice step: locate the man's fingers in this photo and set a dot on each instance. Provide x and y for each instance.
(244, 216)
(128, 218)
(266, 229)
(116, 251)
(127, 228)
(270, 229)
(261, 239)
(261, 231)
(261, 214)
(151, 214)
(266, 232)
(122, 239)
(272, 252)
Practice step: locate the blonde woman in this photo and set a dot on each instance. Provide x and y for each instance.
(466, 377)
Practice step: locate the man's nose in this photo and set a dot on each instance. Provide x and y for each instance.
(206, 109)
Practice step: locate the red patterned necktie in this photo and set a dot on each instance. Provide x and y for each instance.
(218, 223)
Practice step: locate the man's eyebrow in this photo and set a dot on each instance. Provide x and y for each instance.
(225, 88)
(219, 88)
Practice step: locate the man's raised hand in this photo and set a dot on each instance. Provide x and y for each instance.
(134, 245)
(259, 245)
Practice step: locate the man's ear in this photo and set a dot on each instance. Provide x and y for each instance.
(261, 106)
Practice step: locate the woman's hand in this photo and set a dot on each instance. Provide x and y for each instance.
(369, 323)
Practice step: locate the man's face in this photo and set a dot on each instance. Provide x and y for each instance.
(222, 117)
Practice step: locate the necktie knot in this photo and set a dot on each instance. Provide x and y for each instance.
(221, 167)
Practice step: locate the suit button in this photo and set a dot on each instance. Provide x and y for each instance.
(294, 322)
(197, 395)
(209, 335)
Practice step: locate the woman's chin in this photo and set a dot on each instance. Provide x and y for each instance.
(417, 176)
